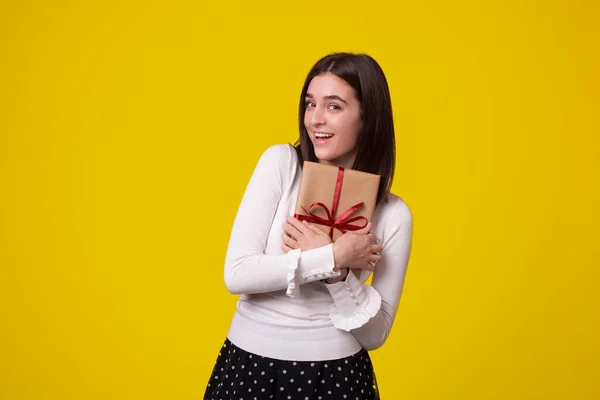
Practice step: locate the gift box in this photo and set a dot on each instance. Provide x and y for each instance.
(336, 200)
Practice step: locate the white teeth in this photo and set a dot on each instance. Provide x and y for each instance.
(323, 135)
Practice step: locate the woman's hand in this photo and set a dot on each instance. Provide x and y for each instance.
(302, 235)
(357, 249)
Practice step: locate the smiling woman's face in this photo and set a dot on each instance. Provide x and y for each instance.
(333, 120)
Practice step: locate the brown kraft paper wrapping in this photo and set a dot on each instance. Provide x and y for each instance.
(318, 185)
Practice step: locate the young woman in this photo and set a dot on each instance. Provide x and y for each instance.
(304, 325)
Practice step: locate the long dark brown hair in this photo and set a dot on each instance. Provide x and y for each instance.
(376, 146)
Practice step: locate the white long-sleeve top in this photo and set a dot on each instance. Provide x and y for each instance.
(284, 311)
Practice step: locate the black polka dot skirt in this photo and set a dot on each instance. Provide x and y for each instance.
(240, 375)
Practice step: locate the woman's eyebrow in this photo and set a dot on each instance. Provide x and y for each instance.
(330, 97)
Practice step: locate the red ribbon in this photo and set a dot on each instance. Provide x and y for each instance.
(343, 223)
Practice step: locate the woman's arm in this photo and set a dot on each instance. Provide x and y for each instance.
(369, 311)
(247, 268)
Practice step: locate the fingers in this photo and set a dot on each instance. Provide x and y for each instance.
(289, 241)
(285, 248)
(376, 248)
(372, 261)
(364, 230)
(291, 230)
(302, 228)
(314, 229)
(374, 258)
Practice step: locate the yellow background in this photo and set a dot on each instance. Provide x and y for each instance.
(128, 131)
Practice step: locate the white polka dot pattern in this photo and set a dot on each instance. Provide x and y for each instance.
(240, 375)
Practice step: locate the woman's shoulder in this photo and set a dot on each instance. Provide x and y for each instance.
(279, 154)
(395, 210)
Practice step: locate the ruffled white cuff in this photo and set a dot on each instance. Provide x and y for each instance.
(291, 265)
(354, 303)
(309, 266)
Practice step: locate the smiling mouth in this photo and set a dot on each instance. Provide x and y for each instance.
(322, 136)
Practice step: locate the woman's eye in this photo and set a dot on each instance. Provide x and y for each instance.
(334, 107)
(310, 104)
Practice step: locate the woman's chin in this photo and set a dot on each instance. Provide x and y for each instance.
(324, 157)
(324, 154)
(334, 158)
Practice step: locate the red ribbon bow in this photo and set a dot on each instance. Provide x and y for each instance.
(343, 223)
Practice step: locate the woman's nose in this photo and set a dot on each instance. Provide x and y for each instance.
(318, 116)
